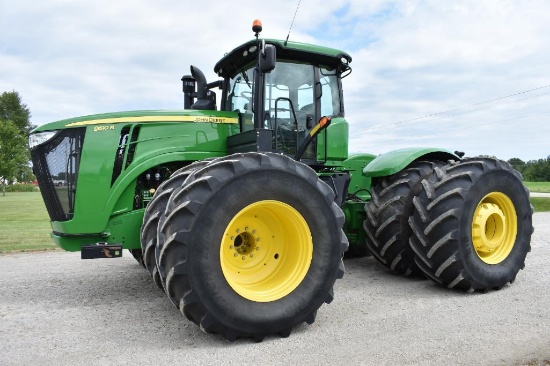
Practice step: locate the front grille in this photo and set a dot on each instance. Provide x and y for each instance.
(55, 164)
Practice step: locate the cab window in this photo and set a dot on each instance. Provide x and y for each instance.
(330, 97)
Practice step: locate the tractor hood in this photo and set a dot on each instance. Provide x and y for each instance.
(149, 116)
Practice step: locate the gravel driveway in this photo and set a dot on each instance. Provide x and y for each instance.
(56, 309)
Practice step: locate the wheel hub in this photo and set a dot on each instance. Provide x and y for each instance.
(494, 228)
(266, 251)
(245, 243)
(490, 224)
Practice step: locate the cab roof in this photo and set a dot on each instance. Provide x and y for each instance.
(245, 55)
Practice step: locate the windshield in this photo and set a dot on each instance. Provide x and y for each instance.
(295, 97)
(289, 105)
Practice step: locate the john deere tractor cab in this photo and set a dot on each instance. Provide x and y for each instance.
(280, 91)
(242, 214)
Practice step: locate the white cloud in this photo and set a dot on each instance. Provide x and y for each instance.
(432, 56)
(71, 58)
(410, 59)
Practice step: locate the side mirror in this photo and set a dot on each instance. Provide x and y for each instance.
(267, 58)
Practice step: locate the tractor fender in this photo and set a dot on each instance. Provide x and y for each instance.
(394, 161)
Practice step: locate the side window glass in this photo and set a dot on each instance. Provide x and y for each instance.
(305, 99)
(330, 99)
(239, 97)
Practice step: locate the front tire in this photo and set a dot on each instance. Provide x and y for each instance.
(253, 246)
(153, 213)
(138, 256)
(472, 225)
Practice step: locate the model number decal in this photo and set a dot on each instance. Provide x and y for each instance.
(103, 128)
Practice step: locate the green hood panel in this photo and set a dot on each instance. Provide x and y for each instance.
(151, 116)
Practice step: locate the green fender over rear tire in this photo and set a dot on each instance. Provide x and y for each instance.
(253, 246)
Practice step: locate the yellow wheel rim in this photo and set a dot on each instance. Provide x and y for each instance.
(494, 228)
(266, 251)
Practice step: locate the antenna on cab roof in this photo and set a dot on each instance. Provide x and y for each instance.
(296, 12)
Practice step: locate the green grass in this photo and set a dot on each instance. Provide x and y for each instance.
(543, 187)
(24, 223)
(541, 204)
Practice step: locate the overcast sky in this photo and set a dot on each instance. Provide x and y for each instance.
(463, 75)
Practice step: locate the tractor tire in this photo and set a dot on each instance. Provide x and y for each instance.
(253, 246)
(387, 222)
(472, 225)
(153, 212)
(138, 256)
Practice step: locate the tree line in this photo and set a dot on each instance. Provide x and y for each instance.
(15, 126)
(533, 170)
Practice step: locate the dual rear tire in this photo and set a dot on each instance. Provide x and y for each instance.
(387, 226)
(472, 225)
(465, 224)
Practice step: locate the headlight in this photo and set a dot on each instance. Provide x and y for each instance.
(40, 137)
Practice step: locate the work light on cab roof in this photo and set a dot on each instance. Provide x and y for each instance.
(257, 26)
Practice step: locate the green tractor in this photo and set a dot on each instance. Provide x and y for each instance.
(243, 214)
